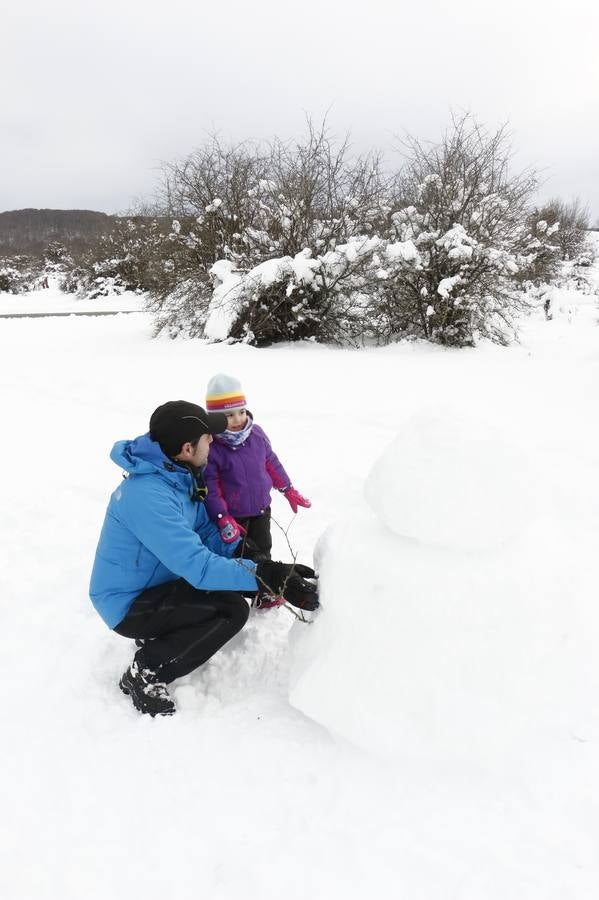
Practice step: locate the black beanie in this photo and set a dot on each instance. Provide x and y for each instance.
(176, 422)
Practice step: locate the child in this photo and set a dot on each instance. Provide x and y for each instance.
(242, 468)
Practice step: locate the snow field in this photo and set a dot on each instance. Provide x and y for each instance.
(53, 300)
(425, 767)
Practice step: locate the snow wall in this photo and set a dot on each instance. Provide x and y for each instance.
(460, 615)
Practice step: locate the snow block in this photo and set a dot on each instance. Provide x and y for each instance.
(453, 481)
(459, 614)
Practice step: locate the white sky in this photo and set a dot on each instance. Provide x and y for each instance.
(97, 94)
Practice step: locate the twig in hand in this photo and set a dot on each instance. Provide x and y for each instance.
(299, 615)
(286, 533)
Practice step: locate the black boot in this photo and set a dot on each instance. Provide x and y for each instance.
(148, 693)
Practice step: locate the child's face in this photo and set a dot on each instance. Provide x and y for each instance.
(236, 419)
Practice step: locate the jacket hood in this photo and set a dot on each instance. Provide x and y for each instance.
(143, 456)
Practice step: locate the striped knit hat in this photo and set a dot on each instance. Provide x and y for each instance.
(224, 393)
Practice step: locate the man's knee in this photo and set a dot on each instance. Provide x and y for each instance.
(229, 606)
(236, 606)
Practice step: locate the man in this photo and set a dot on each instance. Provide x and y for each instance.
(162, 574)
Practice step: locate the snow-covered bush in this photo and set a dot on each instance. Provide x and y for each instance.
(465, 214)
(248, 203)
(212, 200)
(179, 294)
(59, 264)
(572, 221)
(318, 195)
(128, 258)
(250, 206)
(444, 250)
(11, 280)
(76, 280)
(19, 273)
(325, 298)
(105, 286)
(437, 254)
(184, 308)
(569, 284)
(56, 257)
(277, 300)
(539, 251)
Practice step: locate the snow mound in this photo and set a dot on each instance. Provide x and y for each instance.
(440, 638)
(436, 654)
(454, 481)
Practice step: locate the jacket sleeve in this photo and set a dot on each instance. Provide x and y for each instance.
(210, 535)
(279, 477)
(215, 501)
(155, 517)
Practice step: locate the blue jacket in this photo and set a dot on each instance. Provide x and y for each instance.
(154, 532)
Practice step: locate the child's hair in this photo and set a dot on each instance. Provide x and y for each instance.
(224, 394)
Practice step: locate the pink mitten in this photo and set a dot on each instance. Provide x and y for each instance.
(229, 529)
(295, 499)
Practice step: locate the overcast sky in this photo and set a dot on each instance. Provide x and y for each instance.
(96, 94)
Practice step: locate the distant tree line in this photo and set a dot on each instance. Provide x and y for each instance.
(29, 231)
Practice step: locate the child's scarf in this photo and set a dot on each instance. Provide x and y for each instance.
(236, 438)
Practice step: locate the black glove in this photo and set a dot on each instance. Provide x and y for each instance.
(274, 574)
(301, 593)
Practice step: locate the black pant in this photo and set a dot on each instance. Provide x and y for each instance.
(258, 531)
(181, 626)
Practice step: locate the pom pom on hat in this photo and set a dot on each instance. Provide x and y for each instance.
(224, 393)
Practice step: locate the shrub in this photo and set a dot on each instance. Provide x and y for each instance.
(313, 242)
(19, 273)
(464, 214)
(570, 222)
(248, 206)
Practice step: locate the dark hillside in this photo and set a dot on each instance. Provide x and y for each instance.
(30, 230)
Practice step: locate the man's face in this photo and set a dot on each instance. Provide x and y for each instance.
(199, 456)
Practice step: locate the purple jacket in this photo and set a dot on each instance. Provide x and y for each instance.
(239, 479)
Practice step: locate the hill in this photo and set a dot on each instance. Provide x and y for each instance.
(30, 230)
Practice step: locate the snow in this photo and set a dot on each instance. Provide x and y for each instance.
(465, 659)
(403, 251)
(432, 733)
(360, 247)
(446, 285)
(304, 267)
(231, 287)
(52, 300)
(450, 478)
(458, 243)
(465, 553)
(225, 300)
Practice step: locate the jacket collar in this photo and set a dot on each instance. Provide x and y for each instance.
(143, 456)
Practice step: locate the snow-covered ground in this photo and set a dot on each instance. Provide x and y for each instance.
(53, 300)
(448, 742)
